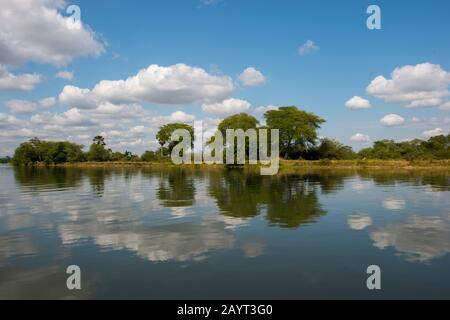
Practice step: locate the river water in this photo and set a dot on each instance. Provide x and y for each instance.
(185, 234)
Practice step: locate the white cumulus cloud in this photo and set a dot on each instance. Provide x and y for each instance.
(47, 102)
(71, 118)
(434, 132)
(358, 103)
(79, 98)
(227, 107)
(64, 74)
(251, 77)
(21, 106)
(36, 31)
(264, 109)
(176, 84)
(8, 121)
(21, 82)
(422, 85)
(24, 106)
(180, 116)
(359, 137)
(392, 120)
(425, 103)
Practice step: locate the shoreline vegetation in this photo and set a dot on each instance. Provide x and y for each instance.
(299, 148)
(285, 165)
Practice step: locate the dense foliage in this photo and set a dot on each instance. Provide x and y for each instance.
(55, 152)
(435, 148)
(165, 132)
(242, 121)
(298, 140)
(98, 152)
(149, 156)
(298, 129)
(331, 149)
(49, 152)
(5, 160)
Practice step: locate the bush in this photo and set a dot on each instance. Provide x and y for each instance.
(436, 148)
(98, 152)
(149, 156)
(49, 152)
(5, 160)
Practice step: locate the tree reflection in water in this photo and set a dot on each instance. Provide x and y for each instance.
(97, 180)
(288, 200)
(124, 199)
(176, 189)
(36, 178)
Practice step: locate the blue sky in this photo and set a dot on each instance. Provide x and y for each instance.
(222, 39)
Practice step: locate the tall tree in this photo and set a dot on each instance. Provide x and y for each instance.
(165, 132)
(298, 129)
(49, 152)
(98, 151)
(99, 140)
(241, 120)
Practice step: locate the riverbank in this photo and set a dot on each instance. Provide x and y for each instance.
(372, 164)
(285, 165)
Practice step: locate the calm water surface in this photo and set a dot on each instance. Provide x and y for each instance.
(187, 235)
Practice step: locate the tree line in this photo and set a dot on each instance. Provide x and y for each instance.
(5, 160)
(298, 140)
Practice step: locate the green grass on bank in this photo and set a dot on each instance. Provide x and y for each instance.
(405, 164)
(285, 165)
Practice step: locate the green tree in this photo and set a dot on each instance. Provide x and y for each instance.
(5, 160)
(149, 156)
(165, 132)
(57, 153)
(99, 140)
(298, 129)
(334, 150)
(25, 154)
(117, 156)
(98, 151)
(74, 152)
(437, 147)
(49, 152)
(242, 121)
